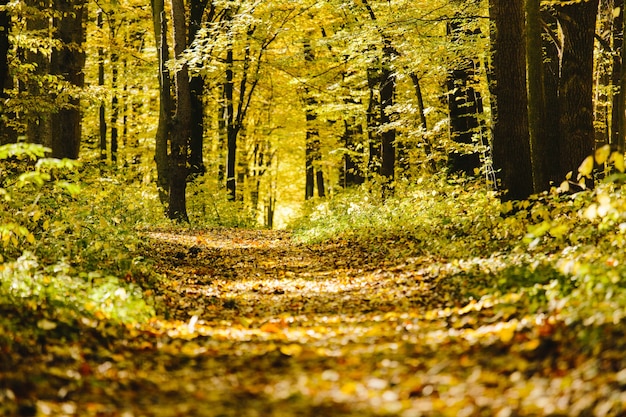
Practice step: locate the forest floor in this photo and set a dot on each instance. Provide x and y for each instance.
(256, 324)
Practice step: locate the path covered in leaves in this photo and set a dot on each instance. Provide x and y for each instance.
(255, 324)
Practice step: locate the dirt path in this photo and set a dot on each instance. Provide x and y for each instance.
(257, 325)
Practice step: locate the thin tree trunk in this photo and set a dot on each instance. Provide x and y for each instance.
(162, 136)
(373, 122)
(231, 133)
(537, 122)
(312, 152)
(182, 121)
(618, 131)
(196, 83)
(5, 45)
(422, 118)
(114, 99)
(387, 95)
(102, 109)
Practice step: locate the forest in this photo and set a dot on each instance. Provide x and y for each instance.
(312, 208)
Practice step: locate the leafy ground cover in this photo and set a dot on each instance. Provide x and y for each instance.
(442, 301)
(255, 323)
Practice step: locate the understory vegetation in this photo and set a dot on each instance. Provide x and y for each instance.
(441, 300)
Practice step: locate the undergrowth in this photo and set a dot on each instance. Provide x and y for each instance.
(562, 255)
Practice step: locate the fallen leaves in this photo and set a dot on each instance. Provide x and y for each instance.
(252, 324)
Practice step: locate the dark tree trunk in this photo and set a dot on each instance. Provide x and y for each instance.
(387, 95)
(577, 22)
(618, 79)
(536, 98)
(196, 83)
(182, 121)
(422, 119)
(373, 122)
(231, 129)
(68, 61)
(312, 152)
(352, 172)
(5, 45)
(102, 110)
(551, 69)
(464, 105)
(162, 136)
(38, 129)
(114, 99)
(511, 142)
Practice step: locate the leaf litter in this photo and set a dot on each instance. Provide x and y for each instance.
(252, 323)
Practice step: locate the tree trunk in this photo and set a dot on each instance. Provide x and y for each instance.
(114, 99)
(68, 61)
(464, 105)
(102, 110)
(182, 121)
(162, 136)
(577, 22)
(312, 152)
(618, 131)
(196, 83)
(5, 45)
(38, 129)
(373, 121)
(511, 142)
(387, 95)
(231, 132)
(352, 172)
(422, 119)
(551, 74)
(537, 122)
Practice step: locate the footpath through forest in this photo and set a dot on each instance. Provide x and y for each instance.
(256, 324)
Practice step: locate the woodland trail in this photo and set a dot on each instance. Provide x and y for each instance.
(255, 324)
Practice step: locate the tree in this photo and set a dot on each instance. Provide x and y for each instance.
(577, 21)
(67, 61)
(313, 174)
(511, 142)
(196, 86)
(464, 102)
(537, 121)
(162, 136)
(386, 84)
(181, 131)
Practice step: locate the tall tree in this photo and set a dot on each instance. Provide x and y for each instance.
(386, 80)
(511, 142)
(196, 85)
(5, 45)
(232, 130)
(177, 209)
(161, 158)
(577, 21)
(536, 97)
(464, 101)
(101, 72)
(618, 80)
(68, 61)
(313, 174)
